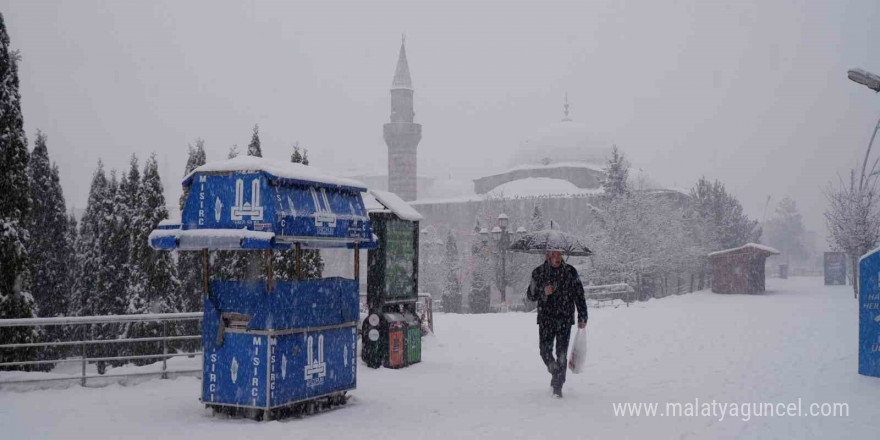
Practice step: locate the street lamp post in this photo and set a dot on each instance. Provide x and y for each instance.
(501, 235)
(872, 82)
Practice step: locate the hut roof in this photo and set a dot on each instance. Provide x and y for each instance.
(753, 248)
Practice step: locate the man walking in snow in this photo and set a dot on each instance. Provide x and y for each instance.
(557, 289)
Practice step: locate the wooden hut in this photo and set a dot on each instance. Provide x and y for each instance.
(740, 270)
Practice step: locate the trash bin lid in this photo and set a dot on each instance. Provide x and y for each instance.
(411, 319)
(394, 320)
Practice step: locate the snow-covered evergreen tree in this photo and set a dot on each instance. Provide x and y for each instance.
(130, 207)
(118, 250)
(786, 231)
(726, 223)
(98, 266)
(155, 287)
(479, 297)
(89, 252)
(15, 204)
(189, 264)
(71, 259)
(233, 152)
(158, 289)
(536, 223)
(616, 178)
(452, 285)
(431, 253)
(254, 147)
(195, 159)
(49, 249)
(296, 156)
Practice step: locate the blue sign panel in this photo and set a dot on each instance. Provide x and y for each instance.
(869, 315)
(235, 373)
(233, 201)
(306, 365)
(257, 202)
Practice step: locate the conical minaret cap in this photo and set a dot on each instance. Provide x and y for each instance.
(402, 79)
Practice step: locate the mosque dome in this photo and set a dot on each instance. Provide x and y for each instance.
(562, 151)
(563, 141)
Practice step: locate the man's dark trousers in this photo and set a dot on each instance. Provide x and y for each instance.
(560, 333)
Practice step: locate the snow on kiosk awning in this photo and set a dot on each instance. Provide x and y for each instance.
(252, 203)
(384, 201)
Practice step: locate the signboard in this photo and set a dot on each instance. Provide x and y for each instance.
(400, 255)
(290, 367)
(869, 315)
(250, 200)
(835, 268)
(312, 364)
(393, 267)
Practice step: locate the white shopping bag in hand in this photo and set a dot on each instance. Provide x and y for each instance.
(578, 352)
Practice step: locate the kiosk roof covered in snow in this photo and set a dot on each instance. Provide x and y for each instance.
(388, 202)
(741, 269)
(250, 203)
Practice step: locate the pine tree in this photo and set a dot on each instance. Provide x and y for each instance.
(71, 259)
(536, 223)
(129, 205)
(254, 147)
(189, 264)
(118, 250)
(159, 288)
(284, 262)
(114, 268)
(88, 247)
(49, 250)
(15, 204)
(97, 264)
(786, 231)
(233, 152)
(452, 286)
(156, 288)
(479, 297)
(195, 159)
(616, 178)
(722, 217)
(296, 156)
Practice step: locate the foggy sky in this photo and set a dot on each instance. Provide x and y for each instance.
(753, 93)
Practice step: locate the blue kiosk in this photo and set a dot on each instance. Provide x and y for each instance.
(869, 314)
(271, 345)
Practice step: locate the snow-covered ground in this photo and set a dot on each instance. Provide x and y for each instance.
(482, 378)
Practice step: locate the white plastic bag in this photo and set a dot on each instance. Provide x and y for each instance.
(578, 355)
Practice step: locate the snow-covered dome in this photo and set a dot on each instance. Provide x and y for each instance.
(537, 187)
(563, 141)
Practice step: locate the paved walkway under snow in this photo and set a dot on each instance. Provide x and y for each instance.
(482, 378)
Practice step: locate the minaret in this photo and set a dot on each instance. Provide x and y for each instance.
(402, 135)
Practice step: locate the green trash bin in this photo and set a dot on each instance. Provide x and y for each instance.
(413, 338)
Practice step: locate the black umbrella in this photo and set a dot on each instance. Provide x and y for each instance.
(552, 239)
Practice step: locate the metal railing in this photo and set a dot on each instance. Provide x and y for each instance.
(85, 324)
